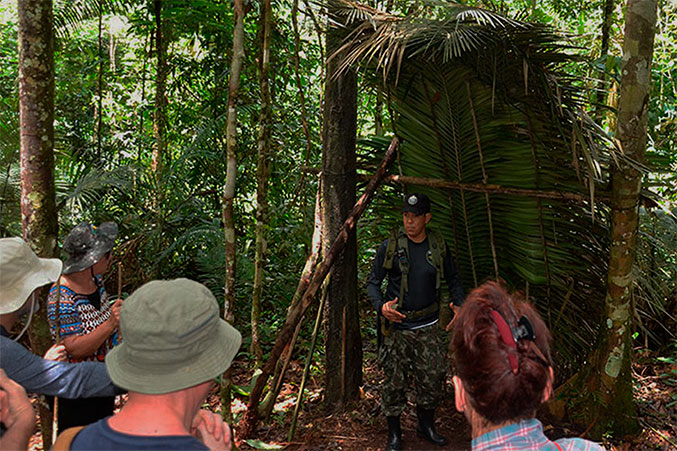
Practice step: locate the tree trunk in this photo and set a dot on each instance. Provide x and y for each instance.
(608, 375)
(378, 113)
(262, 174)
(248, 424)
(140, 109)
(36, 109)
(603, 53)
(160, 113)
(343, 343)
(99, 90)
(231, 159)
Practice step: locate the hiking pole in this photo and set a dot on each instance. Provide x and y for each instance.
(55, 414)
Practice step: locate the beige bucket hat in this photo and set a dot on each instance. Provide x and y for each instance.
(174, 338)
(21, 272)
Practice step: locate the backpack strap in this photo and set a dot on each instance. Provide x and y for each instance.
(65, 439)
(438, 250)
(391, 247)
(403, 260)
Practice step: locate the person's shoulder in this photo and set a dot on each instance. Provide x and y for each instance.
(11, 350)
(578, 444)
(90, 436)
(101, 436)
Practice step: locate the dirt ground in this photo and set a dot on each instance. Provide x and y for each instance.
(362, 427)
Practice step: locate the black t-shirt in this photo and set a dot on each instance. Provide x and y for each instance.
(422, 279)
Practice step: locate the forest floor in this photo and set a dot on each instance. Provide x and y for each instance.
(362, 427)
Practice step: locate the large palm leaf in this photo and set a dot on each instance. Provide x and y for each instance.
(485, 100)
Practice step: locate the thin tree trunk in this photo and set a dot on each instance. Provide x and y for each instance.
(262, 174)
(229, 186)
(141, 108)
(231, 159)
(36, 109)
(99, 89)
(160, 113)
(302, 96)
(338, 197)
(378, 113)
(601, 94)
(608, 373)
(248, 424)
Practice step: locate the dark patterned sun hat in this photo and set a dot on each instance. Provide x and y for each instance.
(86, 244)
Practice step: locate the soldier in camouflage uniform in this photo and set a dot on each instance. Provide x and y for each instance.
(414, 259)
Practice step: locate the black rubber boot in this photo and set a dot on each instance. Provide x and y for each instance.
(426, 427)
(394, 434)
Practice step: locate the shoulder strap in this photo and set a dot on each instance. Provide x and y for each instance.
(438, 252)
(64, 440)
(403, 256)
(391, 247)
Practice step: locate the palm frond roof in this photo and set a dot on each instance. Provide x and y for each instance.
(484, 104)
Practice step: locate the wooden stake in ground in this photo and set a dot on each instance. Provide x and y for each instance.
(248, 424)
(57, 319)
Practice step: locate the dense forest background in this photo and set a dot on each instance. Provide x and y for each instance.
(140, 137)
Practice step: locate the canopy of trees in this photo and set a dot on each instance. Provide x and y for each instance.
(200, 128)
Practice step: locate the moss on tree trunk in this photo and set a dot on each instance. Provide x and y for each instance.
(36, 109)
(601, 394)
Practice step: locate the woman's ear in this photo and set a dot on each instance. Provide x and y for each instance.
(548, 391)
(459, 394)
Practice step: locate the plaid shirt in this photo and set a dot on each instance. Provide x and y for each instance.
(528, 435)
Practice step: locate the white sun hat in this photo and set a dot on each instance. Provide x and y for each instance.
(21, 272)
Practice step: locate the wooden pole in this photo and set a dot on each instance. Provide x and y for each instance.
(306, 371)
(482, 188)
(57, 320)
(250, 420)
(119, 280)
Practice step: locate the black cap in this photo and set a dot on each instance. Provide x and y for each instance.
(416, 203)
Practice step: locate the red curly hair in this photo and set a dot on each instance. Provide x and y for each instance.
(500, 390)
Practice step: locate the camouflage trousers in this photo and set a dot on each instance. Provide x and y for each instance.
(421, 352)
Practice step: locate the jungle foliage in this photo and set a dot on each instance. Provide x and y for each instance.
(553, 249)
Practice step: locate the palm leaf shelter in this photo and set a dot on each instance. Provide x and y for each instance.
(493, 129)
(489, 124)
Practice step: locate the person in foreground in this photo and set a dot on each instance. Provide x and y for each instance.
(17, 419)
(502, 351)
(21, 274)
(175, 346)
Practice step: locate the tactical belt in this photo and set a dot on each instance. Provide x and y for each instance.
(418, 314)
(412, 315)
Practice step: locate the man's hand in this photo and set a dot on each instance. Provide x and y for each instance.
(388, 311)
(211, 430)
(454, 309)
(57, 353)
(16, 413)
